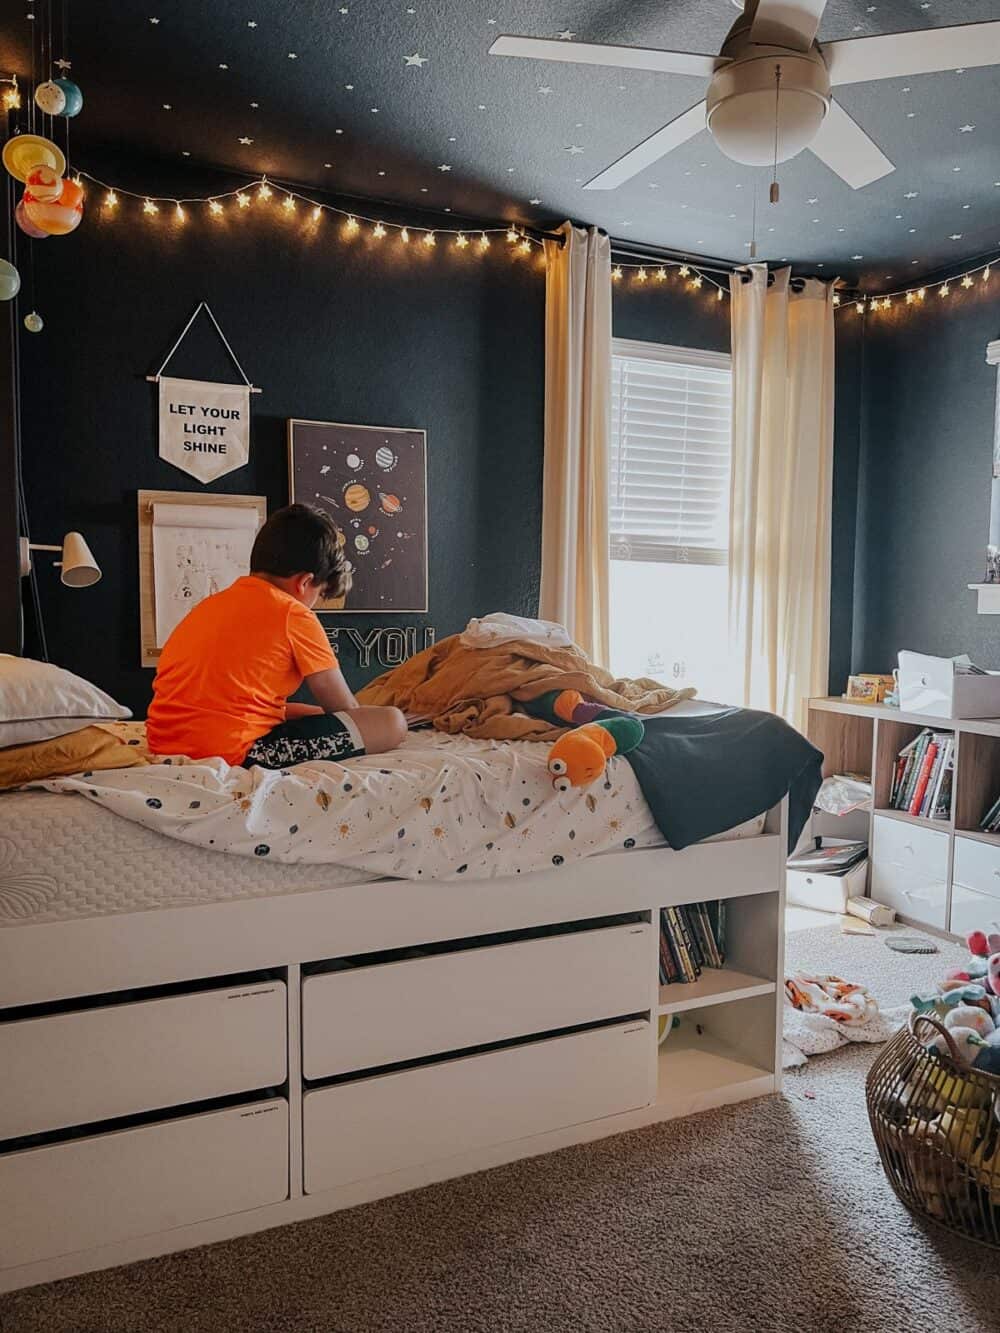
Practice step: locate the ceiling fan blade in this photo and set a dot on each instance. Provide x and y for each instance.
(619, 57)
(658, 145)
(846, 149)
(899, 55)
(792, 23)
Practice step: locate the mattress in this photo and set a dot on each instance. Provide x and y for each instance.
(66, 854)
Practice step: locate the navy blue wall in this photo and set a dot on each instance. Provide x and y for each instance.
(359, 332)
(924, 480)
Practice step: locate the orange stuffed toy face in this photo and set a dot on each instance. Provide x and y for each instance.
(580, 757)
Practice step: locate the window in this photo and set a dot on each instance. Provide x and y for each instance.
(669, 515)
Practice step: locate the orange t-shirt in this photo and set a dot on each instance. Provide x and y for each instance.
(227, 669)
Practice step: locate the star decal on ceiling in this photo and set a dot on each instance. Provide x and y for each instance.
(445, 166)
(574, 149)
(254, 106)
(545, 90)
(417, 60)
(251, 23)
(812, 201)
(911, 194)
(534, 201)
(566, 35)
(966, 129)
(154, 21)
(245, 141)
(955, 236)
(292, 55)
(64, 64)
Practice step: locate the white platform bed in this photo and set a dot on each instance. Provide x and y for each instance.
(175, 1073)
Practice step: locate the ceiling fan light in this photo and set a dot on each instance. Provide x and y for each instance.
(742, 106)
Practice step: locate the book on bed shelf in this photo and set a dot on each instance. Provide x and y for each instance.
(692, 938)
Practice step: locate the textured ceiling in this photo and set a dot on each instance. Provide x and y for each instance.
(332, 93)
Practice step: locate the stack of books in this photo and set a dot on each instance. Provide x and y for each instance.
(990, 822)
(924, 773)
(692, 937)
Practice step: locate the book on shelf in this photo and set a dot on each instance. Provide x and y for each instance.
(692, 937)
(923, 776)
(990, 822)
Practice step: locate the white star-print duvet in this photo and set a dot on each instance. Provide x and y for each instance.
(440, 807)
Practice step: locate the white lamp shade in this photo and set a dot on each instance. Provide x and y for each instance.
(79, 568)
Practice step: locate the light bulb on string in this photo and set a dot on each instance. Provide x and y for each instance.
(719, 293)
(986, 273)
(378, 231)
(149, 207)
(214, 207)
(404, 236)
(696, 281)
(966, 281)
(111, 200)
(264, 190)
(461, 241)
(352, 226)
(684, 271)
(511, 235)
(921, 293)
(484, 242)
(859, 306)
(429, 238)
(641, 275)
(317, 213)
(661, 275)
(179, 213)
(288, 203)
(616, 273)
(243, 199)
(945, 289)
(525, 247)
(836, 297)
(910, 297)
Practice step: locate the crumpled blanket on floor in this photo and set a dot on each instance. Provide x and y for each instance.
(472, 690)
(823, 1013)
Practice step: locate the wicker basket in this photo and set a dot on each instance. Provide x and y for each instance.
(936, 1122)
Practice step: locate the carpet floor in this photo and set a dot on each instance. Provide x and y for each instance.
(760, 1218)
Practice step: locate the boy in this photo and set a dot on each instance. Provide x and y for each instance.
(226, 671)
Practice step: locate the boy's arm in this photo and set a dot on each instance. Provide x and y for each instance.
(294, 710)
(330, 690)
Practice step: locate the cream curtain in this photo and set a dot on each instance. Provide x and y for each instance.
(779, 552)
(574, 582)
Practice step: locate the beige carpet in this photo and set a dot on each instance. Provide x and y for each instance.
(771, 1216)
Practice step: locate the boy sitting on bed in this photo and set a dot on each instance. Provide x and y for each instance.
(226, 671)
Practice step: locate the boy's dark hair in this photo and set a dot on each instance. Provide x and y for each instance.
(301, 539)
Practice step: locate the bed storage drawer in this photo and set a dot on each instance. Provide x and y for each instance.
(373, 1126)
(87, 1065)
(88, 1192)
(910, 869)
(365, 1017)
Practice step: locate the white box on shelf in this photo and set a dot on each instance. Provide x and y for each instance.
(826, 893)
(932, 685)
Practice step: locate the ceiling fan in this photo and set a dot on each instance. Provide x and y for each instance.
(769, 91)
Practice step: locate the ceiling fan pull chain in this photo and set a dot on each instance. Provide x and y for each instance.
(775, 189)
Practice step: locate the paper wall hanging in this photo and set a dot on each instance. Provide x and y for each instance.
(372, 481)
(204, 427)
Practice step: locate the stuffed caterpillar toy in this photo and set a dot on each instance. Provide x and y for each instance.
(580, 756)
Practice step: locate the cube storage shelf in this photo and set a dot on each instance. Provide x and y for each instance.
(942, 874)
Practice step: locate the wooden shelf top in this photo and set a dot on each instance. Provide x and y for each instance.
(981, 726)
(977, 835)
(921, 820)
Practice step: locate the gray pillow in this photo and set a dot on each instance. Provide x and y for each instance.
(39, 701)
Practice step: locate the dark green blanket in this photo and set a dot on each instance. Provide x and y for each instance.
(705, 773)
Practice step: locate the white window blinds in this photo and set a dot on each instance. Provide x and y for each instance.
(669, 458)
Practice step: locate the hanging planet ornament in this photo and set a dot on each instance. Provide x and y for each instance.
(26, 224)
(25, 151)
(50, 98)
(61, 217)
(33, 322)
(10, 281)
(73, 98)
(43, 184)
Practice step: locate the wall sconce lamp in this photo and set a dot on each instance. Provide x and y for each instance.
(78, 566)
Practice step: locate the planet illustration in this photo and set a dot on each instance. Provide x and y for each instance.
(361, 544)
(385, 459)
(50, 98)
(353, 462)
(73, 103)
(390, 503)
(357, 497)
(44, 184)
(373, 531)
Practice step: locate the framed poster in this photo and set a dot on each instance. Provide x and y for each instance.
(372, 481)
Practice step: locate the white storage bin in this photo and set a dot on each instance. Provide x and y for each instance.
(910, 869)
(372, 1126)
(89, 1192)
(97, 1064)
(383, 1014)
(932, 685)
(977, 867)
(826, 893)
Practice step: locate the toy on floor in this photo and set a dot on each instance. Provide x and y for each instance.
(580, 757)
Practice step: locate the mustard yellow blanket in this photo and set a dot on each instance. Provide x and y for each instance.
(473, 691)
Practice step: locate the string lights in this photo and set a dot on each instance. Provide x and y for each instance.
(694, 279)
(971, 279)
(262, 191)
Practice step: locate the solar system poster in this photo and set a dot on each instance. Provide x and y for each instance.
(372, 481)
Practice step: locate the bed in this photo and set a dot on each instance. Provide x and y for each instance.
(201, 1043)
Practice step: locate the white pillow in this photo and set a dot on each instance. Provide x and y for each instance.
(39, 701)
